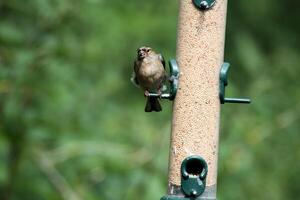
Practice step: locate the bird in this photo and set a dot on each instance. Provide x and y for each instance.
(149, 74)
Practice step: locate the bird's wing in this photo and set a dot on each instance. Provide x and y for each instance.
(133, 76)
(162, 59)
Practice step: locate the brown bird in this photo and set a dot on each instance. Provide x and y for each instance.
(149, 73)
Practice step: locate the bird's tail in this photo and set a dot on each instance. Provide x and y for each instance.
(152, 105)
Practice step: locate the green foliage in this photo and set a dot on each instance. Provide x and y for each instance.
(72, 125)
(259, 154)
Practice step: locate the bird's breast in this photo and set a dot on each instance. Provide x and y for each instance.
(151, 74)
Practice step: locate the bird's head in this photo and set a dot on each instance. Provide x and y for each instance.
(144, 52)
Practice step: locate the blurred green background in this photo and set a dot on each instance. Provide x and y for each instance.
(72, 126)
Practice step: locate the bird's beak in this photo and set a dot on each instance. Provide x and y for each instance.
(141, 54)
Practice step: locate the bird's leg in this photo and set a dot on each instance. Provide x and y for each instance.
(146, 93)
(159, 92)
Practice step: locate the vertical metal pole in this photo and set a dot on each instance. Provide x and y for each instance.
(196, 113)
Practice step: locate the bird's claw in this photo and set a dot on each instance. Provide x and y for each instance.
(146, 93)
(159, 93)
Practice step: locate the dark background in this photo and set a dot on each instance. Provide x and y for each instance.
(72, 125)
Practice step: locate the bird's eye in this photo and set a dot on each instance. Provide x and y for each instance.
(148, 50)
